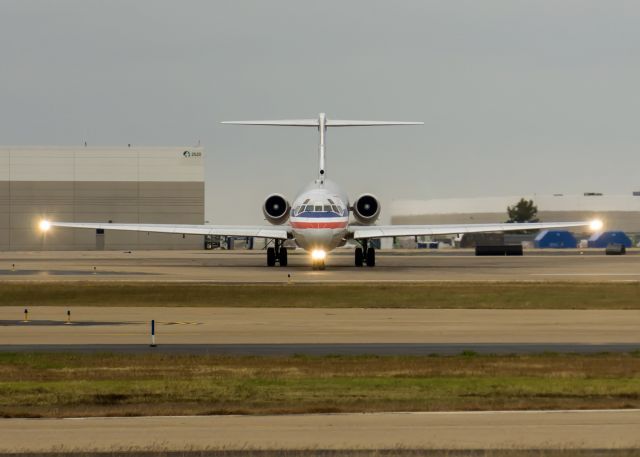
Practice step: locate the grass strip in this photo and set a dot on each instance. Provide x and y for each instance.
(63, 385)
(507, 295)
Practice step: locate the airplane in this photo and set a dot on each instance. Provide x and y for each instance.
(319, 219)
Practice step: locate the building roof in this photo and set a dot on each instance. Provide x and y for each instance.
(474, 205)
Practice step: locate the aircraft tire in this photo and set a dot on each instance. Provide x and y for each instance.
(359, 257)
(371, 257)
(271, 257)
(283, 257)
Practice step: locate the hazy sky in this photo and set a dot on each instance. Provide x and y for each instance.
(516, 96)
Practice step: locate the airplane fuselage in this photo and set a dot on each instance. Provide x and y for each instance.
(320, 216)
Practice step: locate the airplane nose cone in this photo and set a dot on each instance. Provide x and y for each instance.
(316, 239)
(320, 237)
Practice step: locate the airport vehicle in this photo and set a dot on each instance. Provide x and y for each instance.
(321, 218)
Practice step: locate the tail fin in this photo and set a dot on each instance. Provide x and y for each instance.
(321, 123)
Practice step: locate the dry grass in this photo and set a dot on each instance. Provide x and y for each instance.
(507, 295)
(59, 385)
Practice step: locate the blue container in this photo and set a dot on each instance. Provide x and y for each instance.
(555, 239)
(604, 239)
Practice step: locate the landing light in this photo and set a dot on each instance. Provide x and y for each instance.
(44, 225)
(596, 225)
(318, 254)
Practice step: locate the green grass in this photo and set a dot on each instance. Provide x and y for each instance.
(508, 295)
(59, 385)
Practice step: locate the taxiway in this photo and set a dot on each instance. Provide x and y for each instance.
(249, 266)
(604, 429)
(319, 330)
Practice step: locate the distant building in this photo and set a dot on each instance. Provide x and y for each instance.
(99, 184)
(619, 212)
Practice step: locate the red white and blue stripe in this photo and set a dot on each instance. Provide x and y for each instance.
(319, 220)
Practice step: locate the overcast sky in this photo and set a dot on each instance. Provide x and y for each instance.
(517, 97)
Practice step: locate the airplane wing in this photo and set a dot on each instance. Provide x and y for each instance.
(382, 231)
(266, 231)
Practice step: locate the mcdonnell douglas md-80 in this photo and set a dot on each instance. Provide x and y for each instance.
(319, 219)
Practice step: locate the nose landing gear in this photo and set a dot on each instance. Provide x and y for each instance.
(365, 254)
(277, 253)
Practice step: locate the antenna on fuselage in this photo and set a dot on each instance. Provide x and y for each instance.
(322, 123)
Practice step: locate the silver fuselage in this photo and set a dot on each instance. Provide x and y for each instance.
(319, 217)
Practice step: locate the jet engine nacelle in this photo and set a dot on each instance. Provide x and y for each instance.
(366, 209)
(276, 209)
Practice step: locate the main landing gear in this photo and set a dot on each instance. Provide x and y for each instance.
(277, 253)
(365, 254)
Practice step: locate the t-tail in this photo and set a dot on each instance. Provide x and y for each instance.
(322, 123)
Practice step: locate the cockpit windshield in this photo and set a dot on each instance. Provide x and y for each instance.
(328, 206)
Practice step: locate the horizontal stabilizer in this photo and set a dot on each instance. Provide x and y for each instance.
(284, 122)
(316, 123)
(321, 123)
(342, 123)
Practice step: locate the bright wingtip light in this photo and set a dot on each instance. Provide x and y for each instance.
(318, 254)
(44, 225)
(596, 225)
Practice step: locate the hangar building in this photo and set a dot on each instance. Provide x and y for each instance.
(618, 212)
(99, 184)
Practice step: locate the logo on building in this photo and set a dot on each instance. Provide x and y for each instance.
(188, 154)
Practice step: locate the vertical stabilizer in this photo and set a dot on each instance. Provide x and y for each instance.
(322, 128)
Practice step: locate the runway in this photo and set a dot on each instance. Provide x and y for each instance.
(249, 266)
(604, 429)
(321, 331)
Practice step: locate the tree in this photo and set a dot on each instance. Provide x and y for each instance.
(523, 211)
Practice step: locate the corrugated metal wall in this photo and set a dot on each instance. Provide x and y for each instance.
(154, 185)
